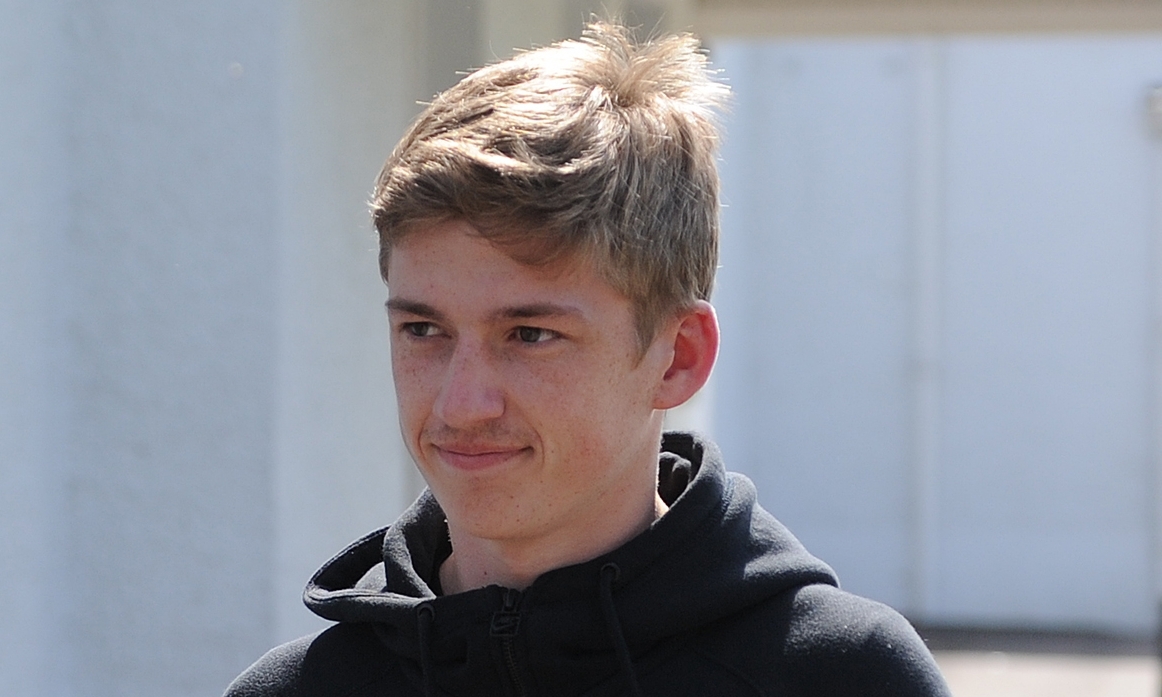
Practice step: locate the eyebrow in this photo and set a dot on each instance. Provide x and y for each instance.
(528, 311)
(413, 307)
(537, 310)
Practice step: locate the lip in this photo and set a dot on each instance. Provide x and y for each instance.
(476, 459)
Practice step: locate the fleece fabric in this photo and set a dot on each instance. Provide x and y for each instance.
(715, 598)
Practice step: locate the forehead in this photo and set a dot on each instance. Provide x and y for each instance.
(451, 261)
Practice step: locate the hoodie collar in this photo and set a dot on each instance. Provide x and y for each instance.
(714, 553)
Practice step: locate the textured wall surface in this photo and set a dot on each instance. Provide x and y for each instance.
(340, 471)
(193, 356)
(32, 186)
(940, 296)
(171, 255)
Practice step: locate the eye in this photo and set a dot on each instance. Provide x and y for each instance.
(420, 329)
(535, 335)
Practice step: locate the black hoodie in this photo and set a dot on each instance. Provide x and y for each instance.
(715, 598)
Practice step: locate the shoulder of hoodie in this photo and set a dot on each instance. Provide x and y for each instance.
(338, 661)
(821, 641)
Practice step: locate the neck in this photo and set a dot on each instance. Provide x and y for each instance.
(476, 563)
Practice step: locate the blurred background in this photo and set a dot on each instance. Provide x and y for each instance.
(941, 293)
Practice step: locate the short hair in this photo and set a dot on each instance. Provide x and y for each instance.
(603, 147)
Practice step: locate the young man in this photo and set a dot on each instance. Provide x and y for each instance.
(548, 234)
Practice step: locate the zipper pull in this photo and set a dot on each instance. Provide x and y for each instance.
(506, 622)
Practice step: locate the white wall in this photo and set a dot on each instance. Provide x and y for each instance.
(32, 163)
(939, 298)
(1049, 451)
(812, 385)
(171, 263)
(197, 408)
(340, 469)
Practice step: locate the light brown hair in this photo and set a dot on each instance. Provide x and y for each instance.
(603, 147)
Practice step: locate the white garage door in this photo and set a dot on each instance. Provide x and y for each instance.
(940, 298)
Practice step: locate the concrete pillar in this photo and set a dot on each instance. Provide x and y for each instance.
(171, 254)
(353, 75)
(33, 184)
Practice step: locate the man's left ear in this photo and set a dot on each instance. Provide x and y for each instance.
(694, 351)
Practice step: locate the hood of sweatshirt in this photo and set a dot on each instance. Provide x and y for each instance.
(713, 554)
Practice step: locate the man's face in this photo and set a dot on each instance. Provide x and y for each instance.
(521, 394)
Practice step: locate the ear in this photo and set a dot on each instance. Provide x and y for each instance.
(695, 348)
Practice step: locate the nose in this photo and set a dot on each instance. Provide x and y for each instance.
(471, 392)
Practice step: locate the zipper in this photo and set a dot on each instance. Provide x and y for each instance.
(505, 625)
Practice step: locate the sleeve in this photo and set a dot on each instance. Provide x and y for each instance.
(844, 645)
(276, 674)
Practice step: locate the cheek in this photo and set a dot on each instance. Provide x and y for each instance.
(587, 403)
(413, 378)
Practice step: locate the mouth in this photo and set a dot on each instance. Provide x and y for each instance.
(475, 459)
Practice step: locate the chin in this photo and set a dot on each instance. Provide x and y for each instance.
(484, 514)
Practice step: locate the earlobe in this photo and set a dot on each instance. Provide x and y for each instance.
(695, 348)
